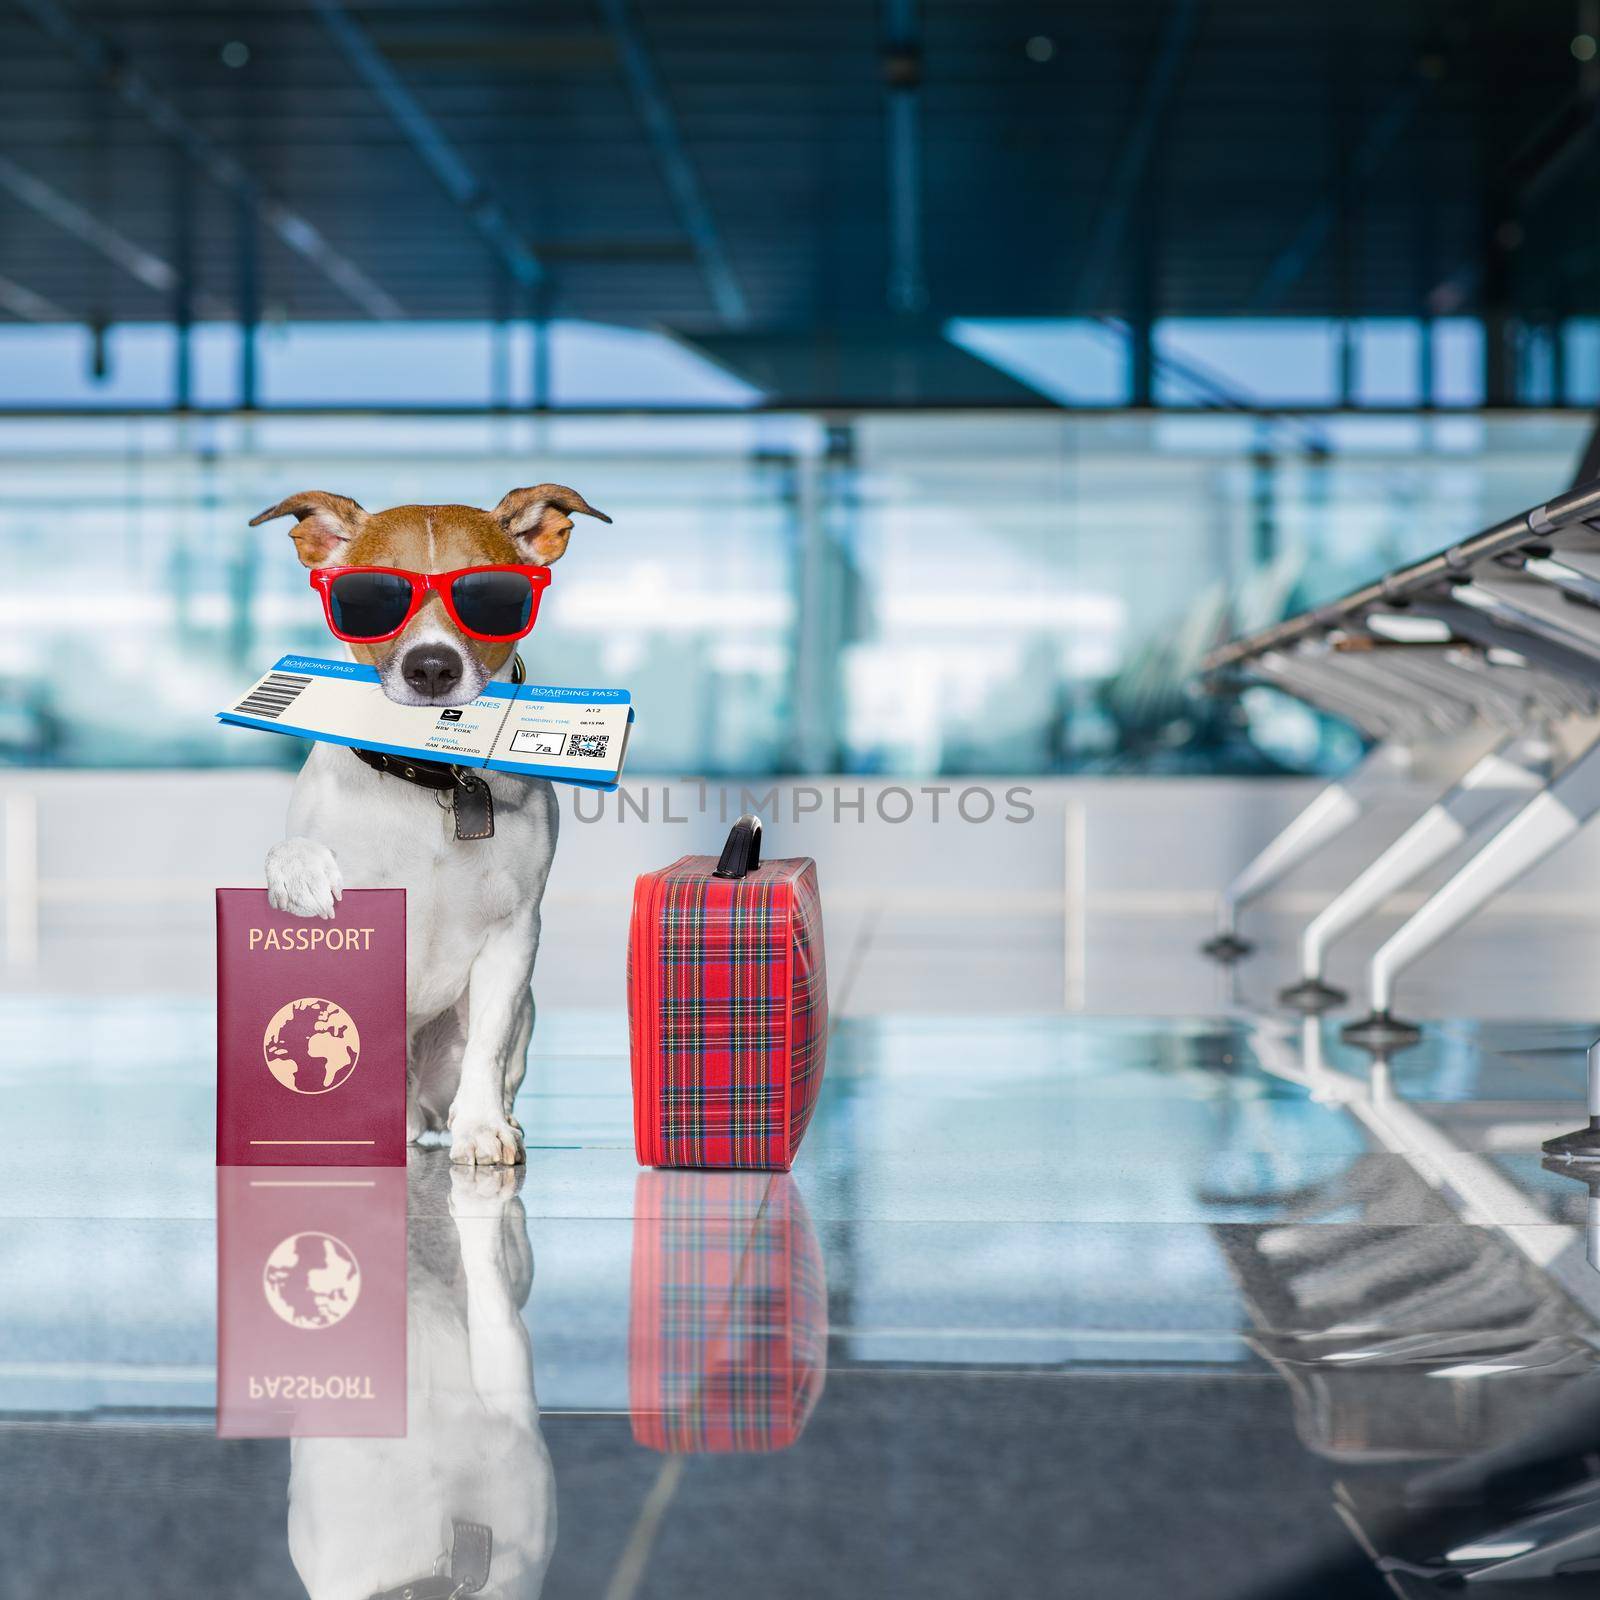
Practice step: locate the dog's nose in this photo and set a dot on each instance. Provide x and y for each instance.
(431, 669)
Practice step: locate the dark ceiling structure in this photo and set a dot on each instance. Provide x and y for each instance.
(747, 174)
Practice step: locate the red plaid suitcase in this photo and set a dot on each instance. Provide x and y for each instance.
(727, 1007)
(728, 1313)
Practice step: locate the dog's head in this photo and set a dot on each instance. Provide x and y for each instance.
(431, 662)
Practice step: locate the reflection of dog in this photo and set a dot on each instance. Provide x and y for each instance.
(370, 1516)
(472, 907)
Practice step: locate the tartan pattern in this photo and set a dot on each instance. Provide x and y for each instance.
(728, 1317)
(808, 1003)
(736, 1030)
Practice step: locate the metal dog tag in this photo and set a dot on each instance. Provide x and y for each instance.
(470, 1555)
(472, 1544)
(474, 808)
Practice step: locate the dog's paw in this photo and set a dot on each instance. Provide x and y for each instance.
(303, 878)
(490, 1141)
(479, 1192)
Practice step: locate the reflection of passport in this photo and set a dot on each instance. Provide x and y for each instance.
(311, 1303)
(311, 1032)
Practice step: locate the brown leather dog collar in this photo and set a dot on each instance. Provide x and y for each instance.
(425, 774)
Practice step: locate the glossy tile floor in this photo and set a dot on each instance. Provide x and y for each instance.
(1066, 1306)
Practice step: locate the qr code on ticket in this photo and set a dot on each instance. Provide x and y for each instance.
(592, 745)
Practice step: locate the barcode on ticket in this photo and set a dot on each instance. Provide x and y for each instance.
(272, 696)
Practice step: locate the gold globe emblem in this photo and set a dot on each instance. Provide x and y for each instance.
(312, 1280)
(311, 1045)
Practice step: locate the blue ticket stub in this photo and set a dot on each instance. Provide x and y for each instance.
(533, 730)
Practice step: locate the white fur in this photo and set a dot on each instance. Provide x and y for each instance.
(472, 928)
(366, 1515)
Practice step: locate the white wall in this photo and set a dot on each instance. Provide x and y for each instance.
(1108, 880)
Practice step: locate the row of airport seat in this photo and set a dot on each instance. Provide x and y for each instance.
(1475, 675)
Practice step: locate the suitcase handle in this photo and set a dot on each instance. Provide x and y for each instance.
(742, 852)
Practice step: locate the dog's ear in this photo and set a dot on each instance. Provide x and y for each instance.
(328, 522)
(538, 519)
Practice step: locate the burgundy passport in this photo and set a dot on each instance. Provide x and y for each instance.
(311, 1032)
(311, 1302)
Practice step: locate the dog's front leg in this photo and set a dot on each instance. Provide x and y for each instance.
(482, 1131)
(485, 1208)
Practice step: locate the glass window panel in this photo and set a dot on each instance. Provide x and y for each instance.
(374, 363)
(915, 594)
(53, 366)
(1075, 361)
(1582, 338)
(595, 364)
(1388, 362)
(1536, 366)
(1037, 591)
(1458, 362)
(1270, 360)
(130, 555)
(420, 364)
(215, 353)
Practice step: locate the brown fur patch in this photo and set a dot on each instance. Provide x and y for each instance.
(327, 522)
(539, 519)
(432, 539)
(528, 526)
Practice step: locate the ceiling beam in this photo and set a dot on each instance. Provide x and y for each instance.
(1561, 140)
(26, 306)
(106, 64)
(438, 155)
(49, 203)
(1112, 221)
(1216, 392)
(43, 199)
(1291, 263)
(683, 182)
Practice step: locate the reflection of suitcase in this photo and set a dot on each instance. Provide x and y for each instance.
(727, 1007)
(728, 1319)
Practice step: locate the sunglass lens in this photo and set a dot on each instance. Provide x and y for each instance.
(494, 603)
(368, 605)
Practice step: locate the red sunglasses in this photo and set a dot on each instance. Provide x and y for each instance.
(366, 604)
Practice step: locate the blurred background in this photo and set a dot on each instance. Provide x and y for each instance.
(956, 374)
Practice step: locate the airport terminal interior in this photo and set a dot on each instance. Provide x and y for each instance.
(1113, 484)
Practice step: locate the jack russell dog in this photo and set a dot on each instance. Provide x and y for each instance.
(472, 904)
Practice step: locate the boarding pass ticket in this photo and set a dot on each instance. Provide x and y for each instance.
(534, 730)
